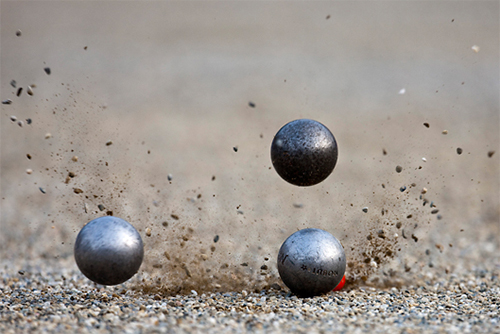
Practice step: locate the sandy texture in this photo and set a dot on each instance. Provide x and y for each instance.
(140, 116)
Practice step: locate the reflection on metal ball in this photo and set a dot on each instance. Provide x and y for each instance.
(109, 250)
(311, 262)
(304, 152)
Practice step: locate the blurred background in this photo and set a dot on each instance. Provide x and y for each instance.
(197, 90)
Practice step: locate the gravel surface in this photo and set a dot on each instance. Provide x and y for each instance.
(64, 301)
(163, 113)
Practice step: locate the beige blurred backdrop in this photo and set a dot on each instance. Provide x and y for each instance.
(140, 90)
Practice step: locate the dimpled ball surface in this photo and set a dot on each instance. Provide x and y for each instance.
(304, 152)
(311, 262)
(109, 250)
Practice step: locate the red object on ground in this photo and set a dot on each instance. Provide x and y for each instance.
(340, 285)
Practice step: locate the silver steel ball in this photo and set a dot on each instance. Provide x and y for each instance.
(109, 250)
(304, 152)
(311, 262)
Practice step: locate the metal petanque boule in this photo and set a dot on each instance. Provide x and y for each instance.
(109, 250)
(304, 152)
(311, 262)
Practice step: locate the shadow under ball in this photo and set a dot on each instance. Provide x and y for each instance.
(304, 152)
(311, 262)
(109, 250)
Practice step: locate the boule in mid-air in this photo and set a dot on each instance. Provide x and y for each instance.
(304, 152)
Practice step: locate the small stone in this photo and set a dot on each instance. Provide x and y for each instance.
(100, 207)
(402, 91)
(21, 272)
(402, 189)
(459, 150)
(29, 171)
(42, 190)
(426, 125)
(490, 154)
(434, 211)
(475, 48)
(19, 91)
(13, 118)
(48, 135)
(424, 159)
(109, 142)
(47, 70)
(8, 101)
(445, 132)
(18, 33)
(216, 238)
(20, 123)
(251, 104)
(365, 209)
(28, 121)
(29, 90)
(399, 169)
(170, 177)
(148, 232)
(424, 190)
(235, 148)
(74, 158)
(13, 83)
(78, 191)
